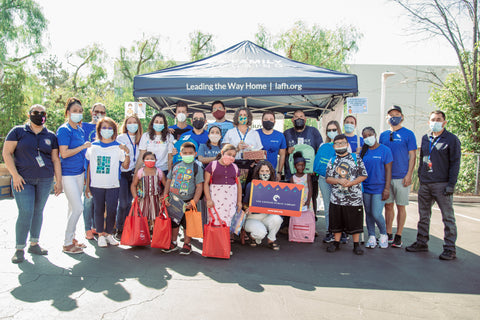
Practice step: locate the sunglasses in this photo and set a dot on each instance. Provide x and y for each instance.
(107, 128)
(201, 119)
(36, 113)
(331, 130)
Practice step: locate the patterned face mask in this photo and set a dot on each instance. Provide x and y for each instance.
(264, 176)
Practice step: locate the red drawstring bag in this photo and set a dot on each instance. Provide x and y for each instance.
(216, 238)
(135, 228)
(162, 230)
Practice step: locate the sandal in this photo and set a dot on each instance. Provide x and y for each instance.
(274, 246)
(252, 243)
(72, 249)
(89, 235)
(76, 244)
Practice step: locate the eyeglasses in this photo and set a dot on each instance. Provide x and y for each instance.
(36, 113)
(340, 143)
(201, 119)
(100, 112)
(107, 128)
(331, 130)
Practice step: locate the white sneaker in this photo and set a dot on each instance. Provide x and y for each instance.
(383, 241)
(111, 240)
(102, 241)
(371, 243)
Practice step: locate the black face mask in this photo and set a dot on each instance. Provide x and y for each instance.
(299, 123)
(341, 151)
(198, 124)
(37, 119)
(268, 125)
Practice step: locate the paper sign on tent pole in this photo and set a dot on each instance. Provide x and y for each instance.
(357, 105)
(135, 108)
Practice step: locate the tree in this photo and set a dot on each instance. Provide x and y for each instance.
(201, 45)
(455, 21)
(321, 47)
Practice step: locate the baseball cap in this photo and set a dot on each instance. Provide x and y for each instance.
(394, 107)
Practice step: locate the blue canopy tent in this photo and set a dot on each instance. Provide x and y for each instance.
(246, 75)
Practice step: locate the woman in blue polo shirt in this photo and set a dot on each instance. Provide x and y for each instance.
(31, 156)
(72, 145)
(376, 188)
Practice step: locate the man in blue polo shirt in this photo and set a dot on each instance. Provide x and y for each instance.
(273, 142)
(181, 115)
(438, 172)
(403, 144)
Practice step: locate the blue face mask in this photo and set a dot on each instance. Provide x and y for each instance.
(395, 121)
(436, 126)
(370, 141)
(132, 127)
(158, 127)
(106, 133)
(349, 127)
(332, 134)
(76, 117)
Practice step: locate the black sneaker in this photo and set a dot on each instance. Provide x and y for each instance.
(36, 249)
(390, 238)
(328, 238)
(19, 256)
(397, 242)
(334, 246)
(357, 250)
(118, 236)
(186, 250)
(447, 255)
(417, 247)
(173, 247)
(344, 238)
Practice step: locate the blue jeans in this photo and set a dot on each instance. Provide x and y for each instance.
(88, 220)
(373, 205)
(326, 190)
(102, 197)
(125, 199)
(30, 203)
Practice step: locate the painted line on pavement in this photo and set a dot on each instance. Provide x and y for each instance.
(461, 215)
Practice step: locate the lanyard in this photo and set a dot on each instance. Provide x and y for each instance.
(134, 146)
(240, 135)
(432, 146)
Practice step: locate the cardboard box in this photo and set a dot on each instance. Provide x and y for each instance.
(3, 170)
(254, 155)
(5, 187)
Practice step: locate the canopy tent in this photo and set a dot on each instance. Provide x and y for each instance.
(246, 75)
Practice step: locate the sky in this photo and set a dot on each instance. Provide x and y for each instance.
(76, 24)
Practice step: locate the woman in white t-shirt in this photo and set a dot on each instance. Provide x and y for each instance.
(103, 178)
(242, 136)
(159, 141)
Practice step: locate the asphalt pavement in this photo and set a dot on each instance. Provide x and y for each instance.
(301, 281)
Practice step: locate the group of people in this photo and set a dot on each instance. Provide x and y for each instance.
(102, 166)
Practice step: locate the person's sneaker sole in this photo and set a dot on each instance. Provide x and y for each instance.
(18, 258)
(185, 252)
(396, 245)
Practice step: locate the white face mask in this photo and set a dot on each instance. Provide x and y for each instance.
(370, 141)
(181, 117)
(214, 137)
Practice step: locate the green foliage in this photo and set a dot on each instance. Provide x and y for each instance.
(201, 45)
(317, 46)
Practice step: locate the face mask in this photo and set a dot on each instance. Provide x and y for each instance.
(265, 176)
(106, 133)
(332, 134)
(181, 117)
(149, 163)
(341, 151)
(395, 121)
(198, 124)
(299, 123)
(188, 158)
(370, 141)
(268, 125)
(242, 120)
(37, 119)
(214, 137)
(349, 127)
(219, 114)
(132, 127)
(227, 160)
(76, 117)
(436, 126)
(158, 127)
(97, 118)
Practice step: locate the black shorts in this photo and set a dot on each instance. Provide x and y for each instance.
(348, 219)
(182, 223)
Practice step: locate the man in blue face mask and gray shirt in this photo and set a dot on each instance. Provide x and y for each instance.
(403, 145)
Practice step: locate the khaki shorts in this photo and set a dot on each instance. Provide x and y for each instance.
(398, 193)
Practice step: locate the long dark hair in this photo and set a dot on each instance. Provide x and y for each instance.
(151, 132)
(258, 166)
(336, 124)
(209, 143)
(365, 146)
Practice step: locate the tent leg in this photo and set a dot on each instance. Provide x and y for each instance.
(245, 100)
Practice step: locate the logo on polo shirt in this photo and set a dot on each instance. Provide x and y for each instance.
(48, 142)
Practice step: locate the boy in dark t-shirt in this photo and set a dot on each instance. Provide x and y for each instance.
(345, 173)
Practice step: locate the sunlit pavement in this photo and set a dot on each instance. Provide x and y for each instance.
(301, 281)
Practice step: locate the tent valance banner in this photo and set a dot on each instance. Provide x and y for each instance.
(246, 75)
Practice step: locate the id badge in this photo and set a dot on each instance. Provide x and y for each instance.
(40, 161)
(300, 140)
